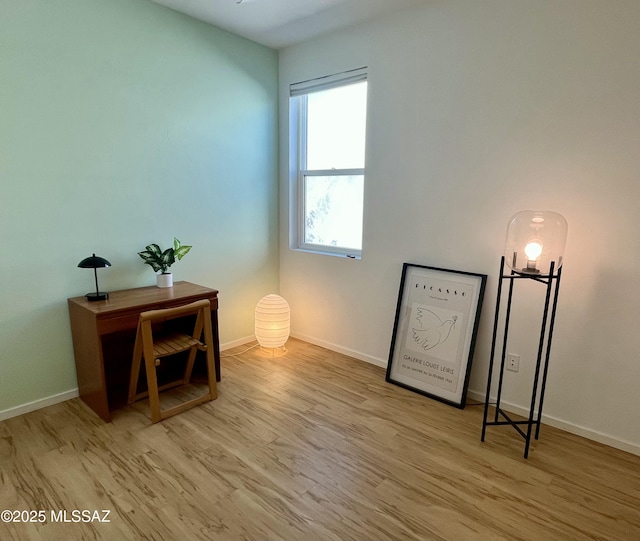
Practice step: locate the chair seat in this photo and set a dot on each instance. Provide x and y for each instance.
(172, 343)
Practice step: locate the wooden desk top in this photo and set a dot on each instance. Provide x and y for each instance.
(145, 296)
(122, 308)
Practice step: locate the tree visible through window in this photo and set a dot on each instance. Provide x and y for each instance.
(331, 136)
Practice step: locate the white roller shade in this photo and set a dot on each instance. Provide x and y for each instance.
(330, 81)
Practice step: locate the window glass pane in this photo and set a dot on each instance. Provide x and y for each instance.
(333, 211)
(336, 126)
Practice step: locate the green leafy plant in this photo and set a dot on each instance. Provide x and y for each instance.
(160, 260)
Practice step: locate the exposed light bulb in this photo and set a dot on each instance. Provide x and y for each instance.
(532, 250)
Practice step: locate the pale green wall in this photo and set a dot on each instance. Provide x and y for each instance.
(124, 123)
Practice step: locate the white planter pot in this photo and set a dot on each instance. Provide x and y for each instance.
(165, 280)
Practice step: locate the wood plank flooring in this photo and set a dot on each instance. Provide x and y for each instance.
(311, 445)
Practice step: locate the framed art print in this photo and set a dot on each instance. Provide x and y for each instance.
(434, 332)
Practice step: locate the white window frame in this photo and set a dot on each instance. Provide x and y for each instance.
(298, 160)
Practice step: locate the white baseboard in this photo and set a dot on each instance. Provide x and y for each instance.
(587, 433)
(238, 342)
(339, 349)
(38, 404)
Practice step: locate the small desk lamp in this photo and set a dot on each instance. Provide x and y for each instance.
(94, 262)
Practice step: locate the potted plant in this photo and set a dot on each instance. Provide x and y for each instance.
(160, 260)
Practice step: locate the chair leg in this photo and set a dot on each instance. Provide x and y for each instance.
(197, 335)
(190, 362)
(135, 368)
(154, 394)
(211, 370)
(211, 375)
(150, 366)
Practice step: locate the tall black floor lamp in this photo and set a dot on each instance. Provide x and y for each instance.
(534, 250)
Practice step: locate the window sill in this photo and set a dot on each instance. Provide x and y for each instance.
(355, 257)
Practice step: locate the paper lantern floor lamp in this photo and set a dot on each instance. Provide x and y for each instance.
(272, 321)
(534, 250)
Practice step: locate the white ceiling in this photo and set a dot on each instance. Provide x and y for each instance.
(279, 23)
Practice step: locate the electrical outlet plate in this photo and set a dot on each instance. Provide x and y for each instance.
(513, 362)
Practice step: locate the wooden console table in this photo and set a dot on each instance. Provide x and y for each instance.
(103, 334)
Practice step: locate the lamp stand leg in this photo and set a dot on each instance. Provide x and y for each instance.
(542, 366)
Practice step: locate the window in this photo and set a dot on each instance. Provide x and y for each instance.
(328, 150)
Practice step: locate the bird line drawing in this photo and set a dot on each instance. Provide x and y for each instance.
(432, 331)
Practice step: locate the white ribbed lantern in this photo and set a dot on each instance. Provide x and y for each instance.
(272, 321)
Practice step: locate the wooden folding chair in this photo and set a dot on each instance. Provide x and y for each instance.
(154, 345)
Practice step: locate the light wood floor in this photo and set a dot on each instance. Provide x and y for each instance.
(310, 445)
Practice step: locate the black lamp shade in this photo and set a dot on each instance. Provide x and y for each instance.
(95, 262)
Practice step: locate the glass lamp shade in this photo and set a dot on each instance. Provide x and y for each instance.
(272, 321)
(535, 238)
